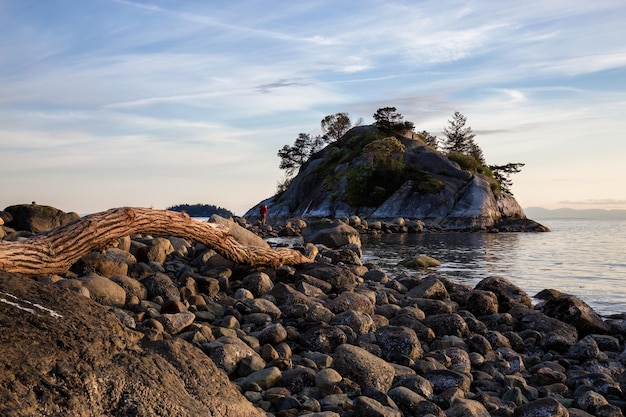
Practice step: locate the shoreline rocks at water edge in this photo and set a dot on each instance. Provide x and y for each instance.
(160, 325)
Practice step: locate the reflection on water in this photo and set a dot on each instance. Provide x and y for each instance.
(581, 257)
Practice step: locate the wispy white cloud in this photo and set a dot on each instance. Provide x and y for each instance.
(184, 87)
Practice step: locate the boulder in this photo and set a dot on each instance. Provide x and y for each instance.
(554, 334)
(351, 301)
(447, 324)
(37, 218)
(227, 352)
(323, 338)
(509, 295)
(75, 345)
(360, 323)
(365, 406)
(155, 250)
(332, 234)
(339, 278)
(430, 287)
(258, 283)
(398, 343)
(175, 323)
(481, 303)
(364, 368)
(106, 264)
(104, 291)
(467, 408)
(272, 334)
(287, 295)
(406, 399)
(420, 261)
(161, 285)
(544, 407)
(571, 309)
(442, 379)
(240, 234)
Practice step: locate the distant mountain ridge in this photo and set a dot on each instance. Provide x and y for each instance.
(569, 213)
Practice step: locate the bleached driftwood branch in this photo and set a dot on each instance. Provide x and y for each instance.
(56, 250)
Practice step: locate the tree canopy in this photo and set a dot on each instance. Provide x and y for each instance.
(458, 145)
(501, 173)
(293, 157)
(201, 210)
(388, 119)
(335, 126)
(458, 138)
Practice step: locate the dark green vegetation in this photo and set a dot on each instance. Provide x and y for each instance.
(370, 159)
(383, 172)
(201, 210)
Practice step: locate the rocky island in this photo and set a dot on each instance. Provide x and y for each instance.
(382, 174)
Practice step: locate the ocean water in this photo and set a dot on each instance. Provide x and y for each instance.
(583, 257)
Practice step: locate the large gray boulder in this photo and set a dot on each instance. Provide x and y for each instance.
(332, 234)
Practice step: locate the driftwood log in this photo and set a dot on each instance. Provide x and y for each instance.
(55, 251)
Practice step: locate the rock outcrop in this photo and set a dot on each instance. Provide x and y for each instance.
(436, 191)
(64, 354)
(37, 218)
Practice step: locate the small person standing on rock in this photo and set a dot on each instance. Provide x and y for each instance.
(263, 210)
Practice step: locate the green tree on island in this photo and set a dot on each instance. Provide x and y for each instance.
(293, 157)
(335, 126)
(462, 148)
(458, 138)
(501, 174)
(389, 120)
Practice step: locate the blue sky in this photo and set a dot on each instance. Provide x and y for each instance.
(109, 103)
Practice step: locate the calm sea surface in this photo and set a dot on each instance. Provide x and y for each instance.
(586, 258)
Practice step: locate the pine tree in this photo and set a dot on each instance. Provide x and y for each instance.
(458, 137)
(501, 174)
(388, 119)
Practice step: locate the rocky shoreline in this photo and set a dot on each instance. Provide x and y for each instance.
(330, 338)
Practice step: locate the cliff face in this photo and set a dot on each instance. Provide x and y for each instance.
(442, 194)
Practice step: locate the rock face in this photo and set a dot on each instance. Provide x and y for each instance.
(460, 200)
(64, 354)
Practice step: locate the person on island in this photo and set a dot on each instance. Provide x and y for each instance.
(263, 210)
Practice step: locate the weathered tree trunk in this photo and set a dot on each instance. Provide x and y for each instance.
(54, 251)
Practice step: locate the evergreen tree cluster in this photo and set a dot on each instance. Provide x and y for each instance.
(458, 145)
(201, 210)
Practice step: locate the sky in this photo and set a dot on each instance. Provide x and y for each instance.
(111, 103)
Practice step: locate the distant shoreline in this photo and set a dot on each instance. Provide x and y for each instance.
(568, 213)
